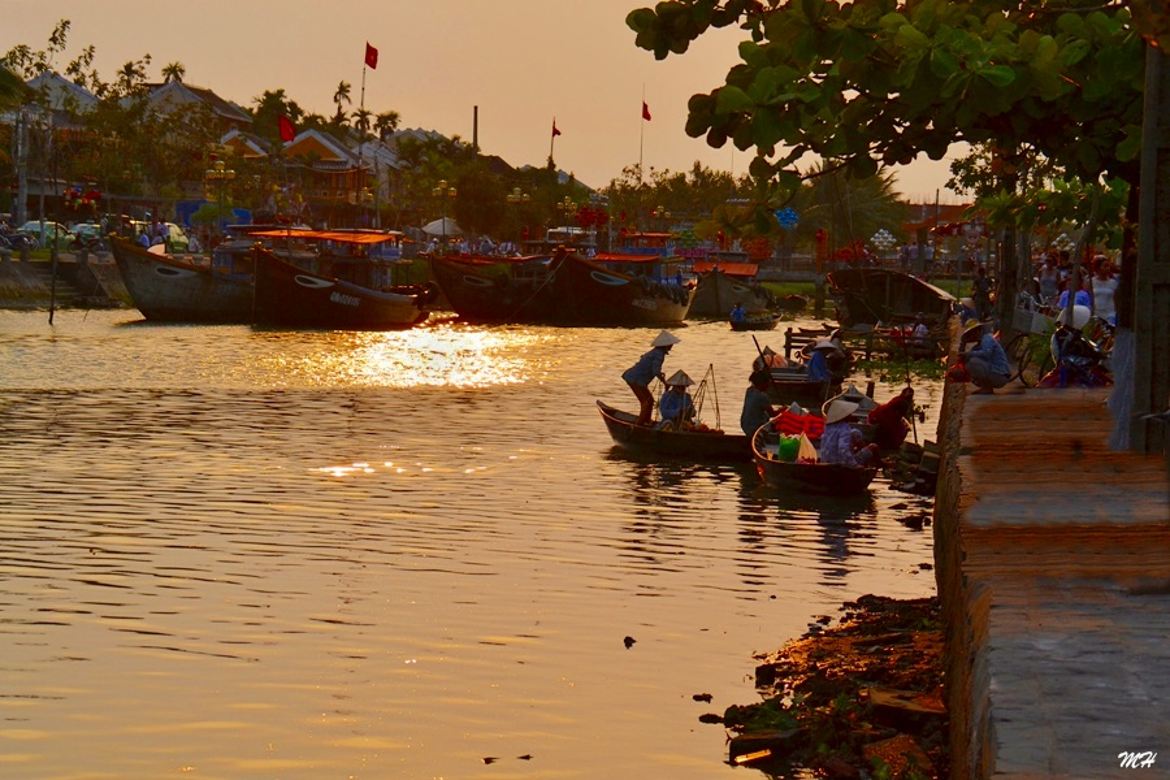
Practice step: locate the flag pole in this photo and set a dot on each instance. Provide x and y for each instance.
(641, 134)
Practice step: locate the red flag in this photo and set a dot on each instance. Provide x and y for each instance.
(371, 56)
(645, 111)
(555, 131)
(287, 131)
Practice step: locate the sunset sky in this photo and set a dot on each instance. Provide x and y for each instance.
(521, 61)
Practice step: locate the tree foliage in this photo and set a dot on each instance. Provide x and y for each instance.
(874, 82)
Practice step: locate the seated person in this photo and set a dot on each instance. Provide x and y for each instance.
(986, 363)
(818, 364)
(757, 406)
(1082, 299)
(889, 420)
(920, 334)
(676, 405)
(738, 313)
(842, 442)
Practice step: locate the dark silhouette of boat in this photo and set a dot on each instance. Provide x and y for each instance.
(288, 296)
(721, 285)
(763, 320)
(565, 288)
(828, 478)
(171, 289)
(695, 445)
(867, 296)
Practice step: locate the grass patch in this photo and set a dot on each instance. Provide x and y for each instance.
(894, 369)
(782, 289)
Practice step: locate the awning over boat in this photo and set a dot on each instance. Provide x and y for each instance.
(339, 236)
(746, 270)
(614, 257)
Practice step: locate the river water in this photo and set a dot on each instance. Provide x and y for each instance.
(231, 553)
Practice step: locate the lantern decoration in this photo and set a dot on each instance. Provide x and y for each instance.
(787, 218)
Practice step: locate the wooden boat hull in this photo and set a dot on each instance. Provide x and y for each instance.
(828, 478)
(689, 445)
(573, 290)
(866, 296)
(790, 385)
(757, 323)
(290, 297)
(168, 290)
(824, 478)
(717, 293)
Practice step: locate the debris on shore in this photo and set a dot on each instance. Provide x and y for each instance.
(863, 698)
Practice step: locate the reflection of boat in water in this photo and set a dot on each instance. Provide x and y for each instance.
(867, 296)
(696, 445)
(831, 478)
(565, 288)
(168, 289)
(289, 296)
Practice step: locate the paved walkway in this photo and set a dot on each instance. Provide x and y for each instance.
(1070, 543)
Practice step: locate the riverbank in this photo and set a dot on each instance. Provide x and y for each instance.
(860, 698)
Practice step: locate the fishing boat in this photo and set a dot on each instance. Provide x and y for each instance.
(762, 320)
(791, 384)
(693, 444)
(721, 285)
(565, 288)
(171, 289)
(829, 478)
(868, 296)
(289, 296)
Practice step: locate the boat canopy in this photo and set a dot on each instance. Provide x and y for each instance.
(615, 257)
(340, 236)
(746, 270)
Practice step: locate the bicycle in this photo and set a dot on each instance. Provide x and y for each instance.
(1021, 351)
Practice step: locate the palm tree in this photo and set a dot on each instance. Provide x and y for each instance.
(361, 121)
(386, 123)
(131, 76)
(341, 97)
(174, 72)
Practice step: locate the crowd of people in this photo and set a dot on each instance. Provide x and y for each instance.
(1097, 289)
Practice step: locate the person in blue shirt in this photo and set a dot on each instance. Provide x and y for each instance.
(1082, 299)
(677, 407)
(649, 366)
(818, 364)
(738, 313)
(987, 363)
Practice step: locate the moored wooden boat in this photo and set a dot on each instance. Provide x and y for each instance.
(564, 289)
(827, 478)
(867, 296)
(792, 384)
(721, 285)
(289, 296)
(696, 445)
(168, 289)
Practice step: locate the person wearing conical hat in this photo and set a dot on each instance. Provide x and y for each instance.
(842, 442)
(986, 363)
(818, 364)
(677, 406)
(649, 366)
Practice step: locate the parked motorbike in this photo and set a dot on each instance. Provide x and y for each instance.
(1078, 361)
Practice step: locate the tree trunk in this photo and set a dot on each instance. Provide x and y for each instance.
(1151, 380)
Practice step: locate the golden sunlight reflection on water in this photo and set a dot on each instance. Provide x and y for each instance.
(445, 355)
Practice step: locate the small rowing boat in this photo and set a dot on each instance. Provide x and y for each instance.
(689, 444)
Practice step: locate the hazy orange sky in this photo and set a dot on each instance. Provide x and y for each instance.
(521, 61)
